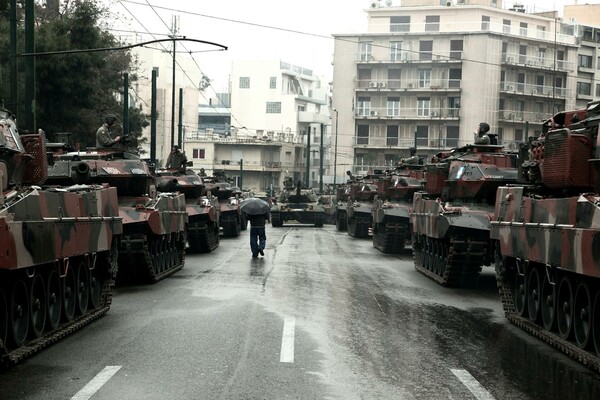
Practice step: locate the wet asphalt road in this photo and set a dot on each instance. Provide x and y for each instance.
(321, 316)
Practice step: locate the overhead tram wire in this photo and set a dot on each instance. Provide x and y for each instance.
(312, 34)
(197, 66)
(165, 49)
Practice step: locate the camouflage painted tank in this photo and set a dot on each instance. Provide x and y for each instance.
(297, 204)
(359, 207)
(547, 236)
(203, 211)
(153, 241)
(58, 251)
(230, 215)
(391, 220)
(451, 219)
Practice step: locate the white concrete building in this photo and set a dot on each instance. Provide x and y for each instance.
(274, 108)
(426, 74)
(187, 77)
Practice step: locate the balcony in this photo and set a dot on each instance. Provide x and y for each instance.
(539, 63)
(417, 85)
(402, 57)
(517, 116)
(407, 113)
(533, 90)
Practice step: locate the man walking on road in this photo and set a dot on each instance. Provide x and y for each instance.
(258, 237)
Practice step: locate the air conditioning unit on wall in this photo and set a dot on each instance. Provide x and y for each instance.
(372, 84)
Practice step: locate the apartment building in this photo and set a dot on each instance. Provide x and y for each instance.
(277, 111)
(587, 86)
(427, 72)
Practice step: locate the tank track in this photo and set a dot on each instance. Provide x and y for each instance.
(455, 263)
(393, 238)
(276, 221)
(202, 237)
(231, 226)
(150, 264)
(508, 304)
(358, 226)
(341, 223)
(13, 357)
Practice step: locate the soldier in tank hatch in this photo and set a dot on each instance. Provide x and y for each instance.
(482, 133)
(104, 134)
(177, 159)
(412, 160)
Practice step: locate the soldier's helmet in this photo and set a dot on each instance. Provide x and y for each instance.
(110, 119)
(412, 151)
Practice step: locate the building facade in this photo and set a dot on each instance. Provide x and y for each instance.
(425, 75)
(277, 110)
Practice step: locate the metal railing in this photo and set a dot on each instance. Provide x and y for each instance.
(395, 112)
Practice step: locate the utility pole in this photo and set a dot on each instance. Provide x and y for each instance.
(321, 162)
(307, 180)
(30, 66)
(335, 149)
(153, 118)
(125, 104)
(14, 96)
(173, 35)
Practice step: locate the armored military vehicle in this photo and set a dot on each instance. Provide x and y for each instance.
(391, 206)
(58, 250)
(359, 207)
(328, 201)
(153, 241)
(297, 204)
(547, 236)
(203, 210)
(230, 215)
(451, 219)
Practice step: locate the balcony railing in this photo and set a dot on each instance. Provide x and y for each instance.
(408, 84)
(534, 90)
(409, 57)
(407, 113)
(537, 62)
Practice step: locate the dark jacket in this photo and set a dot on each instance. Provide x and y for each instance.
(258, 220)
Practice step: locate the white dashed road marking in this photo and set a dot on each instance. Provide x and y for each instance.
(95, 384)
(287, 341)
(471, 383)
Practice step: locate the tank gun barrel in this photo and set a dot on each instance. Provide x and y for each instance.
(80, 173)
(168, 185)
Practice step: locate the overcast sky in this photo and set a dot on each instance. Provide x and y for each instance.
(298, 32)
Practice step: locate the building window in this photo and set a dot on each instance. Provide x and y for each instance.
(597, 89)
(425, 49)
(454, 77)
(522, 54)
(519, 135)
(423, 106)
(523, 29)
(541, 32)
(198, 154)
(362, 134)
(392, 135)
(456, 48)
(365, 51)
(541, 56)
(244, 82)
(288, 157)
(364, 106)
(273, 82)
(422, 136)
(451, 136)
(506, 26)
(584, 61)
(395, 51)
(598, 63)
(393, 106)
(485, 23)
(432, 23)
(273, 107)
(394, 78)
(584, 88)
(400, 24)
(424, 78)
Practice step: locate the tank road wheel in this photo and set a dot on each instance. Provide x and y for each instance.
(533, 287)
(596, 323)
(441, 258)
(547, 304)
(54, 303)
(564, 310)
(37, 305)
(19, 313)
(3, 316)
(520, 294)
(96, 284)
(445, 252)
(83, 287)
(69, 294)
(582, 315)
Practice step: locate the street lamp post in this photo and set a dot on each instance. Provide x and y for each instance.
(335, 149)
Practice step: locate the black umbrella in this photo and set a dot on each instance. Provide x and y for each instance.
(255, 206)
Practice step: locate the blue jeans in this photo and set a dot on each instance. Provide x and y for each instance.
(258, 239)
